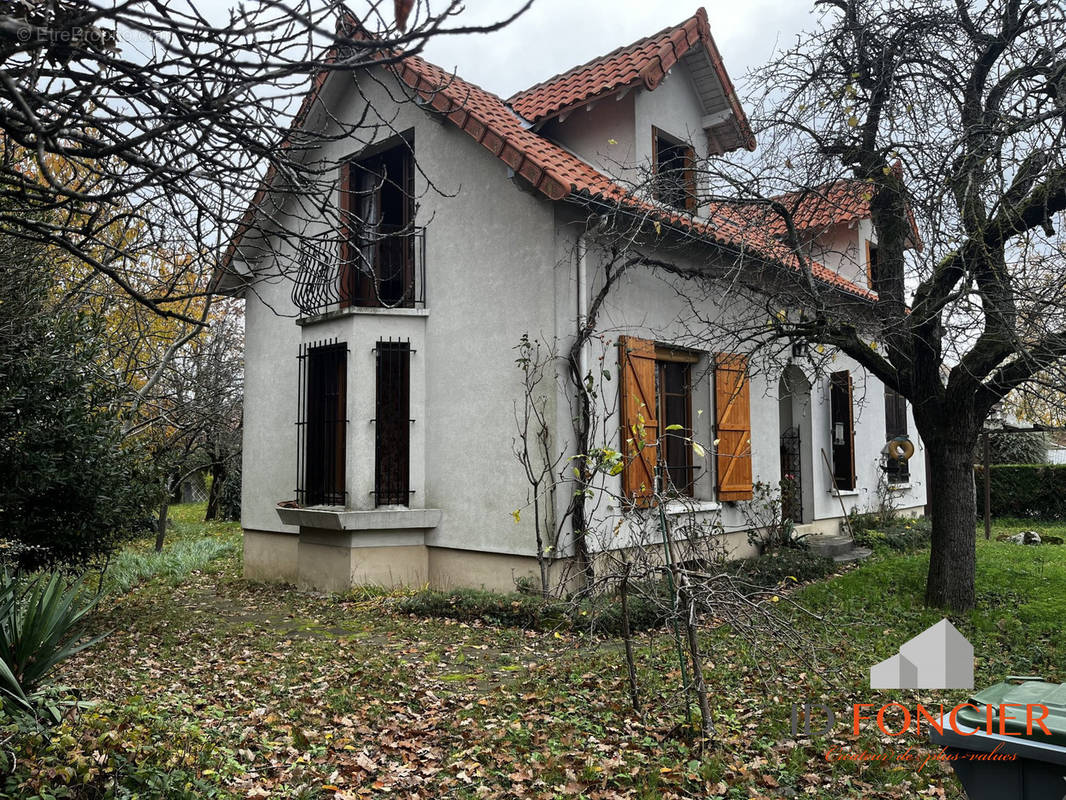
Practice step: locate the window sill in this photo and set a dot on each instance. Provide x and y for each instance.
(338, 313)
(334, 518)
(844, 492)
(675, 507)
(900, 487)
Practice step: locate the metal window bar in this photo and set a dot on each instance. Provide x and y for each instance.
(322, 425)
(791, 475)
(375, 269)
(392, 435)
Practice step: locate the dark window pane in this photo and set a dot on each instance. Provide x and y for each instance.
(382, 272)
(675, 408)
(324, 425)
(393, 424)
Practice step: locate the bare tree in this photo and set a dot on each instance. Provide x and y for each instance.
(951, 114)
(941, 121)
(672, 566)
(145, 127)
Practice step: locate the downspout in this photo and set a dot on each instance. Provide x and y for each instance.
(582, 303)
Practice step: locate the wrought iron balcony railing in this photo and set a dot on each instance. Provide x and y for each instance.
(381, 269)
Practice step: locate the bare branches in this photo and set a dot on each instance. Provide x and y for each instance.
(169, 117)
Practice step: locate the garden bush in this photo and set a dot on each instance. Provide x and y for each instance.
(1013, 448)
(780, 566)
(1024, 490)
(899, 534)
(649, 603)
(469, 605)
(71, 487)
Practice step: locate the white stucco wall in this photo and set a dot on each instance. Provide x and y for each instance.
(499, 263)
(646, 306)
(602, 135)
(488, 278)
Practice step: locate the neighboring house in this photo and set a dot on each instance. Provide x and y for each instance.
(381, 383)
(1056, 451)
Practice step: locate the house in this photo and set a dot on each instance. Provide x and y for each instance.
(381, 385)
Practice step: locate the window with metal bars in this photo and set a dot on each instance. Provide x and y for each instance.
(842, 419)
(322, 424)
(392, 439)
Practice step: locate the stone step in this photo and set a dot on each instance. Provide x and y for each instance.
(829, 545)
(854, 554)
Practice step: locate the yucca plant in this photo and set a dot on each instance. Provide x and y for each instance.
(40, 626)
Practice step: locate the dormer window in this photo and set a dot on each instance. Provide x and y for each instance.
(674, 164)
(871, 262)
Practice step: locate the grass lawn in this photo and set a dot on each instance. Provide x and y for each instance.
(210, 687)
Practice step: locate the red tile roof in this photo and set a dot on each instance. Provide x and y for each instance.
(646, 61)
(831, 204)
(837, 202)
(558, 174)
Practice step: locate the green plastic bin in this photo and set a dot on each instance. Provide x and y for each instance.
(1037, 770)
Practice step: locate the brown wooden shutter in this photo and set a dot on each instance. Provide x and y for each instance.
(841, 406)
(344, 204)
(733, 417)
(640, 422)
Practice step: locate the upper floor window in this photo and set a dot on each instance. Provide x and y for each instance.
(871, 262)
(379, 241)
(674, 165)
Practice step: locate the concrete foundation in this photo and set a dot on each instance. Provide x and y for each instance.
(332, 560)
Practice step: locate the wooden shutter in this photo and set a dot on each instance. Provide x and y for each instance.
(840, 412)
(895, 414)
(344, 204)
(640, 423)
(733, 418)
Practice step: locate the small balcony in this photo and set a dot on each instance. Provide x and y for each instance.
(383, 268)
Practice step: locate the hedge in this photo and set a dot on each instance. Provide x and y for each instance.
(1024, 490)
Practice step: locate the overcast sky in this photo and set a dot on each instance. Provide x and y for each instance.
(555, 35)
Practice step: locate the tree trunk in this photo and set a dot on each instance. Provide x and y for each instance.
(953, 507)
(218, 477)
(161, 524)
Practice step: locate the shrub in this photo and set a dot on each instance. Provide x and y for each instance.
(649, 602)
(898, 534)
(469, 605)
(70, 490)
(1013, 448)
(780, 566)
(1025, 490)
(40, 626)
